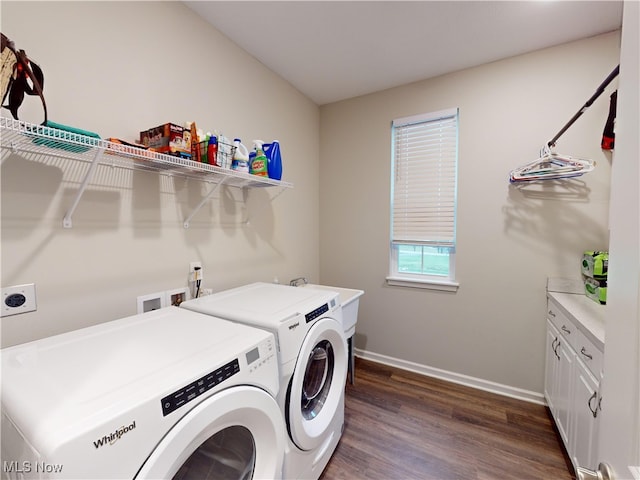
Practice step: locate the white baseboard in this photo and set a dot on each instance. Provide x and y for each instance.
(513, 392)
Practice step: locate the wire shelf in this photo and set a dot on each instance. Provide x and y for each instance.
(26, 138)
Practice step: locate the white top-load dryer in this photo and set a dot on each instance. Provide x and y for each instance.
(168, 393)
(312, 353)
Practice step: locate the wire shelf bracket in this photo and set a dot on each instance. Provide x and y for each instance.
(204, 200)
(67, 221)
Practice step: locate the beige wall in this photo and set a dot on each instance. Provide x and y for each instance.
(117, 68)
(509, 240)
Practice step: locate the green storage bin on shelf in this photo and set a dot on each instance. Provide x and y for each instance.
(595, 264)
(596, 290)
(64, 137)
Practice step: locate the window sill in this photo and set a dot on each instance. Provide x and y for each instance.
(444, 285)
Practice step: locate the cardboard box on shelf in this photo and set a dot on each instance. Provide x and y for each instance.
(168, 138)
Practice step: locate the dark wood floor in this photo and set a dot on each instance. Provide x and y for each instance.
(401, 425)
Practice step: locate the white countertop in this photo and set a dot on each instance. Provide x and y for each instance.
(587, 314)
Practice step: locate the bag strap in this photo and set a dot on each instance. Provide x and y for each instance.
(35, 75)
(7, 70)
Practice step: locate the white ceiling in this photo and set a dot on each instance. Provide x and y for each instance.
(333, 50)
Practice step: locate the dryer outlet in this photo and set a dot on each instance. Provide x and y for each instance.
(19, 299)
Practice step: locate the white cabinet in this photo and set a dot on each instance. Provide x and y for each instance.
(551, 367)
(564, 391)
(560, 359)
(585, 406)
(572, 380)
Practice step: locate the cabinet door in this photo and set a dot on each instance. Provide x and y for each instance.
(564, 389)
(585, 409)
(551, 368)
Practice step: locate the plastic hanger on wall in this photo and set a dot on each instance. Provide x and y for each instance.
(551, 166)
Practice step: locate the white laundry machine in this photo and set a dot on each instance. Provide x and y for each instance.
(350, 300)
(168, 393)
(312, 353)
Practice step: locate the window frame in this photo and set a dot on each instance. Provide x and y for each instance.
(420, 280)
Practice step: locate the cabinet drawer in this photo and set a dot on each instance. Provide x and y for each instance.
(565, 326)
(587, 352)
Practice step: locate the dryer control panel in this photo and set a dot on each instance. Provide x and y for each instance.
(184, 395)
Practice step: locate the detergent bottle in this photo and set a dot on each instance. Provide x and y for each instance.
(274, 159)
(212, 151)
(240, 161)
(258, 166)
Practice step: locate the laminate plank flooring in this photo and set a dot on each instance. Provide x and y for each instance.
(401, 425)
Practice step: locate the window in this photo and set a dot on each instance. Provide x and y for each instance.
(423, 200)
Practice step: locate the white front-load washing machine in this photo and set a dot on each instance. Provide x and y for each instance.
(166, 394)
(312, 353)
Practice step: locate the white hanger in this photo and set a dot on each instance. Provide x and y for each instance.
(551, 165)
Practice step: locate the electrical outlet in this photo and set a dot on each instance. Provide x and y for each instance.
(19, 299)
(195, 271)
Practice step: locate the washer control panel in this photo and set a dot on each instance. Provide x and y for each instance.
(184, 395)
(311, 316)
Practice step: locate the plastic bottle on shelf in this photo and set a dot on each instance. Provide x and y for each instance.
(212, 151)
(274, 159)
(258, 166)
(240, 160)
(195, 145)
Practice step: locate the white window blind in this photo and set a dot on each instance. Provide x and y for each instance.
(425, 156)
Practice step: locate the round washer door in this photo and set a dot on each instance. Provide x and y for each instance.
(237, 433)
(317, 385)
